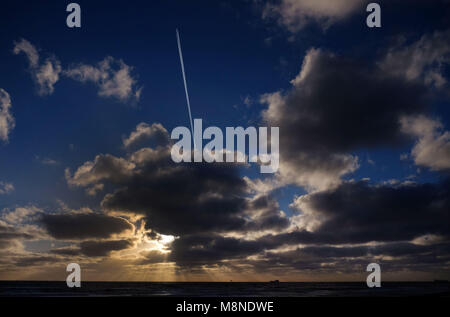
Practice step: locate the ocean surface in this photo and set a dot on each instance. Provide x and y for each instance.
(232, 289)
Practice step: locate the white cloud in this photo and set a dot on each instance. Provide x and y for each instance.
(296, 14)
(307, 218)
(20, 214)
(23, 46)
(7, 121)
(144, 132)
(45, 74)
(248, 101)
(315, 174)
(433, 146)
(262, 186)
(48, 75)
(91, 173)
(113, 78)
(94, 189)
(422, 60)
(47, 160)
(6, 188)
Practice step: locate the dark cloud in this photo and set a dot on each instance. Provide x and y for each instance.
(198, 249)
(337, 105)
(208, 197)
(194, 202)
(361, 212)
(83, 226)
(342, 104)
(103, 248)
(69, 251)
(179, 198)
(213, 200)
(393, 257)
(395, 249)
(357, 212)
(94, 248)
(353, 213)
(267, 214)
(34, 260)
(5, 244)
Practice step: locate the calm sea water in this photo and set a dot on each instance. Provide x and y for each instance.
(50, 289)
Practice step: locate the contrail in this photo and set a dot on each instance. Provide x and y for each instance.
(185, 84)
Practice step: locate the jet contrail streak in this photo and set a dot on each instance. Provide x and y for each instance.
(185, 84)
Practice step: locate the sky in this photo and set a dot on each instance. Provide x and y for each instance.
(86, 116)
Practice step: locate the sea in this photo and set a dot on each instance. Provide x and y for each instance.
(231, 289)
